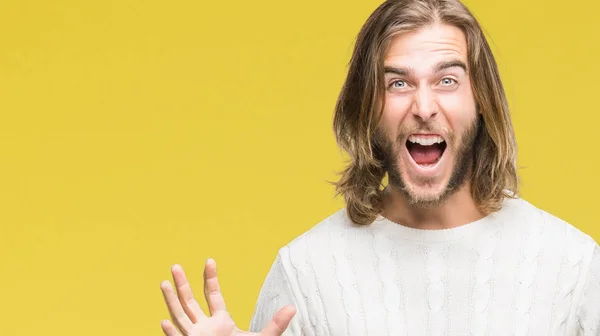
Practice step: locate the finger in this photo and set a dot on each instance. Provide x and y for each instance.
(212, 290)
(168, 328)
(185, 294)
(178, 315)
(280, 321)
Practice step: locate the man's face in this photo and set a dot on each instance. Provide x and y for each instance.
(429, 122)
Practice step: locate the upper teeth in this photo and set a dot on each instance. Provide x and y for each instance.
(425, 140)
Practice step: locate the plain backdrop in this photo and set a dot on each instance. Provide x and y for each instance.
(139, 134)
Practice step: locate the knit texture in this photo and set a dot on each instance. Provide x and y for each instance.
(518, 271)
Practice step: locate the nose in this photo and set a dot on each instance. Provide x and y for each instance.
(424, 105)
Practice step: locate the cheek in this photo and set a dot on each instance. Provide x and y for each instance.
(459, 109)
(395, 110)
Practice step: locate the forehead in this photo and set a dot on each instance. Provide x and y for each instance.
(427, 46)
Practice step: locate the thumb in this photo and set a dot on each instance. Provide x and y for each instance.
(280, 321)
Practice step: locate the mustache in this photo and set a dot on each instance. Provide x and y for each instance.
(425, 127)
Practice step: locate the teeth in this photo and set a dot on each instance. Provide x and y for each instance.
(425, 140)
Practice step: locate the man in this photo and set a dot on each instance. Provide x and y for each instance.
(447, 247)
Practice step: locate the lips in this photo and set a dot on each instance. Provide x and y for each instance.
(425, 149)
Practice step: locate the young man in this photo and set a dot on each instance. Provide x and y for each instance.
(447, 247)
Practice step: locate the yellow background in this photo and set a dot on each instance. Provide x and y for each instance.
(138, 134)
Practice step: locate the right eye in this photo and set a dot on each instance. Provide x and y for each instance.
(398, 84)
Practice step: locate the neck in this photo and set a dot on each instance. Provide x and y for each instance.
(458, 209)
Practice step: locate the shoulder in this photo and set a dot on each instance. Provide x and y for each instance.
(333, 225)
(552, 228)
(560, 239)
(320, 244)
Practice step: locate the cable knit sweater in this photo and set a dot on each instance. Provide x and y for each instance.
(519, 271)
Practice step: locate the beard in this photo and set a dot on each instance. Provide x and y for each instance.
(464, 150)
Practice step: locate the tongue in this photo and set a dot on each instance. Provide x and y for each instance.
(425, 154)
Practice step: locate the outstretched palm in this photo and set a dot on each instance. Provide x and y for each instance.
(189, 319)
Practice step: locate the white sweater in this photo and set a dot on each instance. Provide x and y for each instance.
(519, 271)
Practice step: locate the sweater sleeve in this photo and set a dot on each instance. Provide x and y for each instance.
(277, 292)
(588, 312)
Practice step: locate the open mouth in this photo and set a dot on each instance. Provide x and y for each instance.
(425, 149)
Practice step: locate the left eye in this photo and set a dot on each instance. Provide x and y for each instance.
(447, 81)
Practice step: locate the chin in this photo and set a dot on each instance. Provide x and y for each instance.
(428, 195)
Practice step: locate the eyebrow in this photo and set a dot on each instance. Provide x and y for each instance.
(438, 67)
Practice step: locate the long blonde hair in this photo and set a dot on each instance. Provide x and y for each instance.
(358, 108)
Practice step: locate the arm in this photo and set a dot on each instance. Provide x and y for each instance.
(277, 292)
(588, 311)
